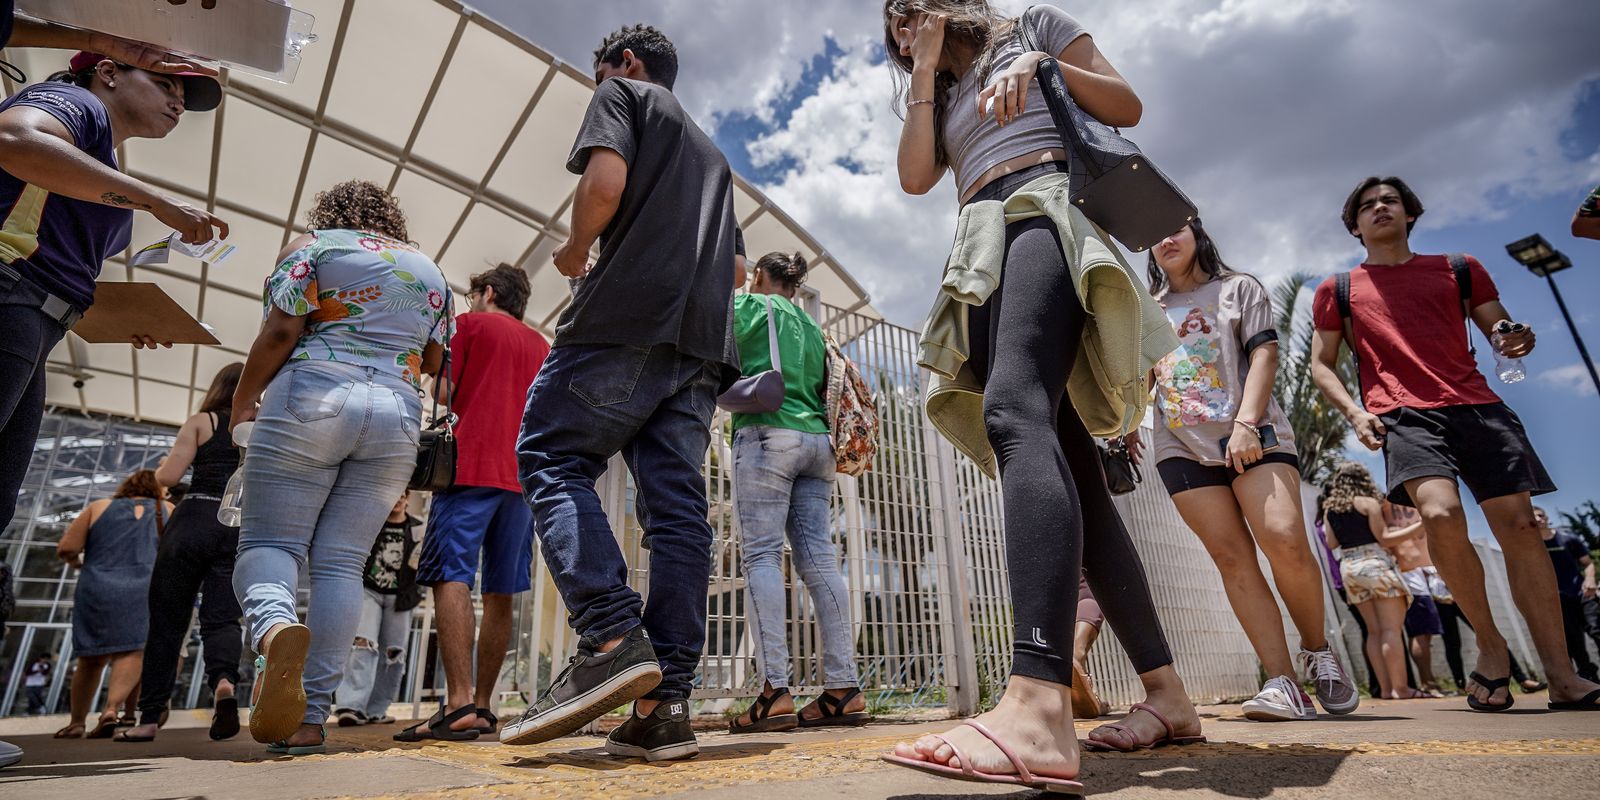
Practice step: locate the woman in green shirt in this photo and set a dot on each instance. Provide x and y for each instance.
(783, 468)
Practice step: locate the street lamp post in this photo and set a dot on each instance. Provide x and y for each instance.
(1545, 261)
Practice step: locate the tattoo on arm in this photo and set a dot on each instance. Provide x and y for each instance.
(122, 201)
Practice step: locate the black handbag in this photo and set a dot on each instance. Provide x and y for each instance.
(1109, 179)
(436, 445)
(1122, 475)
(763, 393)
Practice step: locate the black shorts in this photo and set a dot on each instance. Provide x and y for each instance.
(1484, 445)
(1422, 618)
(1182, 474)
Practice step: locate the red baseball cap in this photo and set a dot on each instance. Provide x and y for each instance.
(200, 92)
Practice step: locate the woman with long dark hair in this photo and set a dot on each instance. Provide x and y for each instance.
(196, 559)
(972, 107)
(356, 315)
(112, 544)
(1226, 455)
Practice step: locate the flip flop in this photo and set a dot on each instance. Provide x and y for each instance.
(279, 703)
(105, 730)
(833, 714)
(68, 732)
(761, 718)
(122, 736)
(1490, 708)
(1085, 703)
(282, 747)
(438, 727)
(1172, 738)
(225, 719)
(966, 772)
(1590, 702)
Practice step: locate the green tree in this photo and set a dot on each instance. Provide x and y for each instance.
(1319, 429)
(1584, 523)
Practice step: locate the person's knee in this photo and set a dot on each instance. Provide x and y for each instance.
(393, 654)
(364, 644)
(753, 559)
(1442, 514)
(1011, 417)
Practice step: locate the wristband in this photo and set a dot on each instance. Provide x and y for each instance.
(910, 103)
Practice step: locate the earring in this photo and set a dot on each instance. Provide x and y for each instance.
(112, 84)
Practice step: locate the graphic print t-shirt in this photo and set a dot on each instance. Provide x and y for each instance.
(1200, 385)
(387, 562)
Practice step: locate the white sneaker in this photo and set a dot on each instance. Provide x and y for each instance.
(1281, 700)
(9, 754)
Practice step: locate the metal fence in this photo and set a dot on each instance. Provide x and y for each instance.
(923, 555)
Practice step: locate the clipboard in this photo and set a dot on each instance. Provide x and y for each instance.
(122, 311)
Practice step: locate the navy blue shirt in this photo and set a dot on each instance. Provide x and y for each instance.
(57, 242)
(1566, 555)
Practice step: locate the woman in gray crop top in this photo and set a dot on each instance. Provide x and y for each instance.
(972, 105)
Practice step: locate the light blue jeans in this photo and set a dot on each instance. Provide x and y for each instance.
(333, 447)
(377, 657)
(783, 482)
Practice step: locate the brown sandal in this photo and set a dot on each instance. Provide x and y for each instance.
(68, 732)
(1085, 703)
(1171, 738)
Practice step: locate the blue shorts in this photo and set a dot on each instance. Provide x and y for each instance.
(1422, 618)
(471, 519)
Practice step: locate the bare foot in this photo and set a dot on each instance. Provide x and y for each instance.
(142, 731)
(1034, 719)
(306, 736)
(1140, 727)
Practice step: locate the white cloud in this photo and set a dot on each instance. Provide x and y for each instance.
(1265, 111)
(1572, 378)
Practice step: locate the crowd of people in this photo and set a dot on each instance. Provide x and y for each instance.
(322, 424)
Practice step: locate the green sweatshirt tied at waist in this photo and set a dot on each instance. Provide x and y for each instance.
(1125, 334)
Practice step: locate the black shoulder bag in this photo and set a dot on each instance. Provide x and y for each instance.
(1109, 179)
(1122, 475)
(436, 446)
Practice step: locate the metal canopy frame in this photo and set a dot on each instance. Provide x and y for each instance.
(147, 385)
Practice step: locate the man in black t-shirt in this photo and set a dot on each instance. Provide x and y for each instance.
(639, 359)
(1571, 561)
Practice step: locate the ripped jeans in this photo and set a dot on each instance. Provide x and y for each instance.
(377, 657)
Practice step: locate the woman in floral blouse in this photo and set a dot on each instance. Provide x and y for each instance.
(354, 316)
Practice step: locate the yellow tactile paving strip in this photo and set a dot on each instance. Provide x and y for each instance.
(577, 767)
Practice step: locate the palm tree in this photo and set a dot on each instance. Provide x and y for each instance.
(1319, 429)
(1584, 523)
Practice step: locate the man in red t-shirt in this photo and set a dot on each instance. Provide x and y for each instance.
(1436, 419)
(494, 358)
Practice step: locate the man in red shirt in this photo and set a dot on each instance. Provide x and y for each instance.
(1436, 419)
(494, 359)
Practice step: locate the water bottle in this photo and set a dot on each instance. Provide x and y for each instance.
(1509, 369)
(231, 511)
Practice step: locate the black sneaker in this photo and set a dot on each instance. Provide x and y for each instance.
(662, 736)
(592, 684)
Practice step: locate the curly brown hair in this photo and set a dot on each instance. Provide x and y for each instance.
(1350, 481)
(358, 206)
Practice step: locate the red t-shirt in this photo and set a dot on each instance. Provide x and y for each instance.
(1411, 341)
(493, 360)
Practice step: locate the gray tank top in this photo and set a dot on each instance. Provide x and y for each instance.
(975, 144)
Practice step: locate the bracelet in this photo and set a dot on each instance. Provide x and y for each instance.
(1247, 426)
(910, 103)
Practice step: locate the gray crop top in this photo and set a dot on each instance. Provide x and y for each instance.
(975, 144)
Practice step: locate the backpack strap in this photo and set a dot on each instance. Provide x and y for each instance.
(1341, 295)
(1463, 273)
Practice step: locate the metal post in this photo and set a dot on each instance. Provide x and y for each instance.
(1583, 352)
(961, 666)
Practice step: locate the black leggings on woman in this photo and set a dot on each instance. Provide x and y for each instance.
(1058, 513)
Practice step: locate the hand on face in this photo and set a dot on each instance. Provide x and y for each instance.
(921, 38)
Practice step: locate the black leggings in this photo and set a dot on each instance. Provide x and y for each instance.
(195, 558)
(1058, 513)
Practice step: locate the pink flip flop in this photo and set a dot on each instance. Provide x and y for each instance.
(966, 773)
(1171, 738)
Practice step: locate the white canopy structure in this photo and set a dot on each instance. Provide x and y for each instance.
(466, 122)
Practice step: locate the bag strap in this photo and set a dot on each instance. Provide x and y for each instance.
(772, 338)
(1341, 295)
(1463, 273)
(444, 369)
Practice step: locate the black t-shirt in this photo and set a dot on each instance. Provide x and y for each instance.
(1566, 555)
(665, 272)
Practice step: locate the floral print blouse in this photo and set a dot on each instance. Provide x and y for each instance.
(369, 300)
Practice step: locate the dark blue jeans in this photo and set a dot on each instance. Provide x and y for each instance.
(29, 337)
(653, 406)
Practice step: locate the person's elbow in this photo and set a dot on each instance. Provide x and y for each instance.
(1127, 112)
(917, 183)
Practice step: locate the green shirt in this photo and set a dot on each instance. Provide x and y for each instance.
(802, 352)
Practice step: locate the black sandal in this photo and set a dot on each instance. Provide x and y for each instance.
(1493, 686)
(438, 727)
(488, 723)
(761, 719)
(833, 715)
(1590, 702)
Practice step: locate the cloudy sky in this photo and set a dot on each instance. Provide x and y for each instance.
(1265, 111)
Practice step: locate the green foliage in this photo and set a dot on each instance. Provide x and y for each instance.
(1584, 523)
(1319, 429)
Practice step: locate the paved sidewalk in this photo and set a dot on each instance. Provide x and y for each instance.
(1390, 749)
